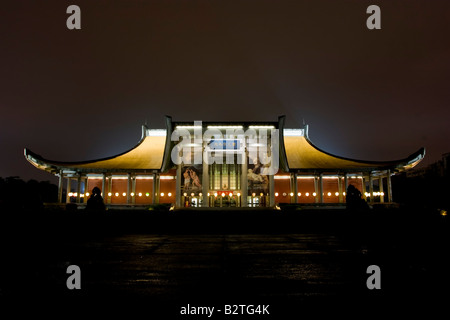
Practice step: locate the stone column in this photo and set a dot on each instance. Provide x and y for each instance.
(341, 196)
(389, 186)
(380, 183)
(371, 188)
(316, 198)
(244, 181)
(205, 179)
(158, 187)
(154, 190)
(78, 188)
(177, 187)
(291, 188)
(104, 193)
(109, 189)
(68, 189)
(271, 190)
(295, 188)
(321, 188)
(128, 188)
(60, 186)
(363, 187)
(133, 189)
(86, 186)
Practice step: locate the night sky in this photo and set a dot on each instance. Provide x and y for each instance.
(83, 94)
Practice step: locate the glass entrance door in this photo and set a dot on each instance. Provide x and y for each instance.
(225, 184)
(225, 199)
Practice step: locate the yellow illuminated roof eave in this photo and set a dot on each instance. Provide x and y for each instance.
(147, 155)
(301, 154)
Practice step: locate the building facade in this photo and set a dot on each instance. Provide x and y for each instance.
(217, 164)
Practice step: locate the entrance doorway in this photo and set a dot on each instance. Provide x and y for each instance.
(192, 201)
(225, 199)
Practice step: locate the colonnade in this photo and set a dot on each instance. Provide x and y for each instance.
(343, 183)
(82, 181)
(368, 179)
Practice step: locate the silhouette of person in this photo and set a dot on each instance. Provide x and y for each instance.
(95, 201)
(353, 197)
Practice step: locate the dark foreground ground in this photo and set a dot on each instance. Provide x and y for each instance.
(158, 262)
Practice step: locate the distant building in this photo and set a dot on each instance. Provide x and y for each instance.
(147, 174)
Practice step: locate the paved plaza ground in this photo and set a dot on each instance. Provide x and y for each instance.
(292, 261)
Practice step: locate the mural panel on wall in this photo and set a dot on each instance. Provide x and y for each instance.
(191, 179)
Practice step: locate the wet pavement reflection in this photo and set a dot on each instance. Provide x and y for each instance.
(315, 266)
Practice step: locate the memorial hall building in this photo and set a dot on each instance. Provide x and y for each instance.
(227, 164)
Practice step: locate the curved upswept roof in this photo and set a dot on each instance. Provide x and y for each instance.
(302, 154)
(148, 154)
(153, 150)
